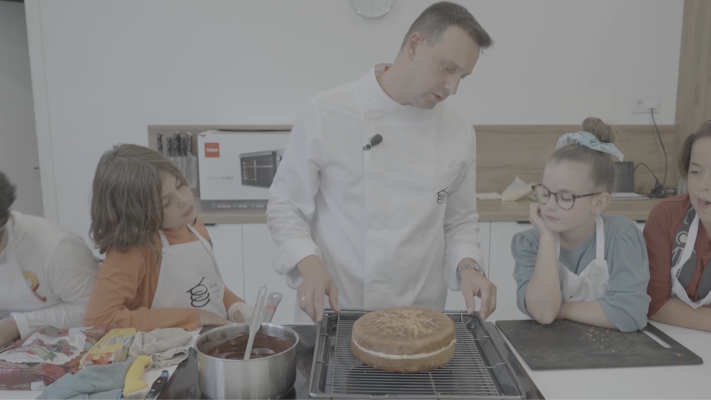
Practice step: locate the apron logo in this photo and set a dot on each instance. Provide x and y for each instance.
(199, 295)
(441, 195)
(676, 255)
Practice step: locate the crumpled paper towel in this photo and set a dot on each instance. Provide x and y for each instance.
(518, 190)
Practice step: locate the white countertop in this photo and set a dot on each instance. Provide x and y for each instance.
(677, 382)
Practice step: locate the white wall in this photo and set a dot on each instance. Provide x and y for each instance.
(107, 69)
(18, 142)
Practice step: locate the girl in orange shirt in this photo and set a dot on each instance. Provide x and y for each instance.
(677, 234)
(159, 269)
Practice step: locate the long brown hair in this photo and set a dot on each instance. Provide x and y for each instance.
(685, 154)
(126, 199)
(602, 168)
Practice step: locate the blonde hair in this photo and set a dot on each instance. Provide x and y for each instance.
(602, 168)
(127, 199)
(685, 154)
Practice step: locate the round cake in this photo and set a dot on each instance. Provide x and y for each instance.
(404, 339)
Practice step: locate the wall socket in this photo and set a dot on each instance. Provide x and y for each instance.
(641, 105)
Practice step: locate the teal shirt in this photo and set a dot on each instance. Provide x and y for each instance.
(626, 302)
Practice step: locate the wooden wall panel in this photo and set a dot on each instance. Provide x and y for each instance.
(693, 103)
(507, 151)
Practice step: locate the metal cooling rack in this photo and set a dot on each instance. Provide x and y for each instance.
(478, 370)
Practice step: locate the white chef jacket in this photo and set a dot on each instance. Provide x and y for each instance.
(390, 224)
(59, 265)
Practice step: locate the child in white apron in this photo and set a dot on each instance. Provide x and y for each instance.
(160, 270)
(46, 273)
(577, 264)
(678, 232)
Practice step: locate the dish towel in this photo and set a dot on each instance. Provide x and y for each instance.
(165, 347)
(95, 382)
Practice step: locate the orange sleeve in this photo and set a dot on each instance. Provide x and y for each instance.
(660, 241)
(116, 294)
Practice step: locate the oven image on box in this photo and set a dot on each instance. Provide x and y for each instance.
(258, 169)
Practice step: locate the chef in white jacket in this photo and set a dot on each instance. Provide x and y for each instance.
(46, 273)
(374, 202)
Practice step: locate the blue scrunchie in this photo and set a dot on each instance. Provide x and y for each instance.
(587, 139)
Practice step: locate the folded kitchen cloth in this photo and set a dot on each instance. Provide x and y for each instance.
(165, 347)
(95, 382)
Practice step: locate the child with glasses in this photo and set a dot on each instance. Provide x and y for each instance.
(576, 263)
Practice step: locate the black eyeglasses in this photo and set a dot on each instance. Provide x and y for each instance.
(564, 199)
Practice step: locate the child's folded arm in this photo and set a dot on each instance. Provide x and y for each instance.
(115, 292)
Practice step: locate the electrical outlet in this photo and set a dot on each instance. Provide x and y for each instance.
(641, 105)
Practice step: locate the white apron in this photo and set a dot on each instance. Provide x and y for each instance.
(189, 277)
(677, 288)
(15, 293)
(591, 284)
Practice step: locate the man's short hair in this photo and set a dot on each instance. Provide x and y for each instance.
(439, 16)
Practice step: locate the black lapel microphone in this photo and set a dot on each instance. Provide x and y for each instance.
(376, 140)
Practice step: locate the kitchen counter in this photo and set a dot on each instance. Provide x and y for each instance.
(641, 383)
(489, 211)
(671, 382)
(183, 383)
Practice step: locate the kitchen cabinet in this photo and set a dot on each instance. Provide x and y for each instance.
(244, 253)
(227, 246)
(455, 300)
(501, 269)
(259, 249)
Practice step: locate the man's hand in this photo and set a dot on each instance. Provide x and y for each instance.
(317, 283)
(475, 284)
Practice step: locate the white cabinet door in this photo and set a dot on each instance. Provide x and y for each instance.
(259, 270)
(227, 245)
(455, 300)
(501, 268)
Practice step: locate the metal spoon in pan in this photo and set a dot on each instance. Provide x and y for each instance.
(269, 310)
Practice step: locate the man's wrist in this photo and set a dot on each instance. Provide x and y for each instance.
(469, 265)
(308, 264)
